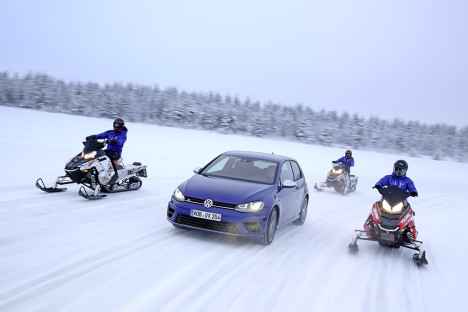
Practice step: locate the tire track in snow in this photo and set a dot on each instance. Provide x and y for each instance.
(73, 270)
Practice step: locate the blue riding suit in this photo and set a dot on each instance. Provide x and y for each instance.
(347, 162)
(403, 182)
(120, 136)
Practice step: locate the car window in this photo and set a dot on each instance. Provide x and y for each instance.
(217, 165)
(286, 172)
(296, 170)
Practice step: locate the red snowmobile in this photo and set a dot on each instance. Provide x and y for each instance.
(391, 223)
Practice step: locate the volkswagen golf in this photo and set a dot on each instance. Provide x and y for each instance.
(241, 193)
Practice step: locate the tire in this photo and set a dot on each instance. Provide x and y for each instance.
(303, 214)
(271, 227)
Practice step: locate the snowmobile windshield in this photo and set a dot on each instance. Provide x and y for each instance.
(91, 146)
(242, 168)
(393, 194)
(337, 166)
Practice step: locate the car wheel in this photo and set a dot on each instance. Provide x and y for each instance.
(270, 230)
(303, 214)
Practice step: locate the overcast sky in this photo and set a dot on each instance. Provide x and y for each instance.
(389, 58)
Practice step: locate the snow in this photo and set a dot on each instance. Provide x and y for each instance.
(60, 252)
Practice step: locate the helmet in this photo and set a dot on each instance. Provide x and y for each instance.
(348, 154)
(400, 167)
(118, 124)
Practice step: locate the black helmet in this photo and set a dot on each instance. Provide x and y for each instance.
(400, 167)
(348, 154)
(118, 124)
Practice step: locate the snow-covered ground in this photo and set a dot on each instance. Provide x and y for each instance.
(61, 252)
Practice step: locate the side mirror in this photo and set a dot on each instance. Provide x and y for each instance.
(289, 184)
(197, 170)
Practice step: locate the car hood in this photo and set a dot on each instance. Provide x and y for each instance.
(224, 190)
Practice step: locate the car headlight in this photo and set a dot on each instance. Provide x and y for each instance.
(337, 171)
(254, 206)
(395, 209)
(89, 155)
(178, 195)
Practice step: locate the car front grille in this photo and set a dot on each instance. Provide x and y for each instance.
(170, 212)
(199, 201)
(218, 226)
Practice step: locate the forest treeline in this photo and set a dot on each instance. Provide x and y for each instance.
(227, 114)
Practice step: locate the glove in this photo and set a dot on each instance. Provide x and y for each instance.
(90, 137)
(334, 162)
(113, 142)
(377, 187)
(414, 194)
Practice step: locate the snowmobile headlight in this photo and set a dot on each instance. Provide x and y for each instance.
(254, 206)
(89, 155)
(337, 171)
(395, 209)
(178, 195)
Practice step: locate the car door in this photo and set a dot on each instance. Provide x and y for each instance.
(287, 196)
(301, 184)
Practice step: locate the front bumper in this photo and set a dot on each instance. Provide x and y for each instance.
(76, 175)
(232, 222)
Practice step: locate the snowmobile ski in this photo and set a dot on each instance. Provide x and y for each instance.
(420, 260)
(84, 193)
(318, 188)
(42, 187)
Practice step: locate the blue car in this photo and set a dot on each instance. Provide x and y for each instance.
(240, 193)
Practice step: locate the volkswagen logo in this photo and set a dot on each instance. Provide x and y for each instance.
(208, 203)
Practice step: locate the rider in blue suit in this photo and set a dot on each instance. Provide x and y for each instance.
(116, 139)
(347, 160)
(398, 178)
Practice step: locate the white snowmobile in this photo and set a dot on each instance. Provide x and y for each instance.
(339, 179)
(94, 169)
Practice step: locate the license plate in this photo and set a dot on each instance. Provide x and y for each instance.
(388, 237)
(205, 215)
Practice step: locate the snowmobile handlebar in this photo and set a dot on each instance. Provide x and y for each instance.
(340, 163)
(394, 191)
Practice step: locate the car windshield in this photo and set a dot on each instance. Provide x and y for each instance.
(242, 168)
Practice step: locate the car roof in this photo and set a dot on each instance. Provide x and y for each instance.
(258, 155)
